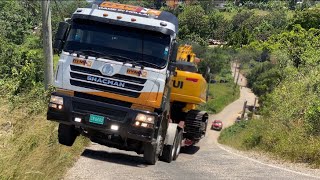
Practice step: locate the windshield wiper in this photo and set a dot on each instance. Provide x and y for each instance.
(134, 63)
(86, 52)
(149, 63)
(121, 58)
(117, 57)
(143, 63)
(91, 52)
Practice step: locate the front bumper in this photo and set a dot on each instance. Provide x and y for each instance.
(117, 115)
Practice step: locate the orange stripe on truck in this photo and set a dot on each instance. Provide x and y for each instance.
(151, 99)
(66, 92)
(146, 99)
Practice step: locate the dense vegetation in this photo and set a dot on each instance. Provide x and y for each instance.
(28, 142)
(283, 70)
(276, 46)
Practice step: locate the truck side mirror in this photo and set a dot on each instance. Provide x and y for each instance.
(173, 58)
(172, 68)
(60, 36)
(174, 52)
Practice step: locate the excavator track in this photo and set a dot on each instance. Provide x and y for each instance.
(196, 124)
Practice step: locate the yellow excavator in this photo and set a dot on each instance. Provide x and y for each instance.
(189, 89)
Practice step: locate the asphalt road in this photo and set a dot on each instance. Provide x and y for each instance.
(208, 160)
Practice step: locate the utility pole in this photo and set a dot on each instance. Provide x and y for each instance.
(244, 109)
(236, 81)
(47, 43)
(235, 71)
(237, 78)
(254, 106)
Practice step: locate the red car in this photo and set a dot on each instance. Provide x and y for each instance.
(216, 125)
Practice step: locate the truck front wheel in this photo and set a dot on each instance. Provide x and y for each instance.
(150, 154)
(67, 134)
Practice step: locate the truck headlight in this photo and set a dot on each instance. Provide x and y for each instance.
(56, 100)
(145, 118)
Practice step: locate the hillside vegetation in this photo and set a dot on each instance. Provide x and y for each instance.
(283, 70)
(29, 148)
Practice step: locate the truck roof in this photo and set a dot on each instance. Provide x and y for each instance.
(129, 15)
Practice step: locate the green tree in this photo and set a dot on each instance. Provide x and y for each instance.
(193, 20)
(216, 25)
(16, 20)
(308, 18)
(238, 32)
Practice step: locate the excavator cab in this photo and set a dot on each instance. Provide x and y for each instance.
(189, 87)
(186, 66)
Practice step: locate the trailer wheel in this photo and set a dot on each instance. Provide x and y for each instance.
(178, 145)
(169, 151)
(67, 134)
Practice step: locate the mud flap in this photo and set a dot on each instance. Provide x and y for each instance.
(171, 133)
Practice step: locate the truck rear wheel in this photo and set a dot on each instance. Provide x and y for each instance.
(67, 134)
(169, 151)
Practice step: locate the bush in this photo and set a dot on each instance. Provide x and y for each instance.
(22, 65)
(308, 18)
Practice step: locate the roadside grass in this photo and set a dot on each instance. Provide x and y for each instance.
(243, 135)
(220, 95)
(29, 147)
(289, 126)
(274, 139)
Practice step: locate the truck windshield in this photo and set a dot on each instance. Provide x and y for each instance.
(146, 47)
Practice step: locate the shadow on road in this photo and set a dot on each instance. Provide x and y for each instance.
(114, 157)
(190, 149)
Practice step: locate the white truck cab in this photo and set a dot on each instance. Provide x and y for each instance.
(113, 75)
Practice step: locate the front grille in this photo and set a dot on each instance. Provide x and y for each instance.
(104, 88)
(117, 84)
(127, 85)
(102, 99)
(113, 114)
(116, 76)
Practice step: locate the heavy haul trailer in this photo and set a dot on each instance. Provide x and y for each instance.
(113, 81)
(189, 89)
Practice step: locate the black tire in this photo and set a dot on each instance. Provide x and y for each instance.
(151, 152)
(67, 134)
(168, 151)
(205, 119)
(178, 145)
(150, 155)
